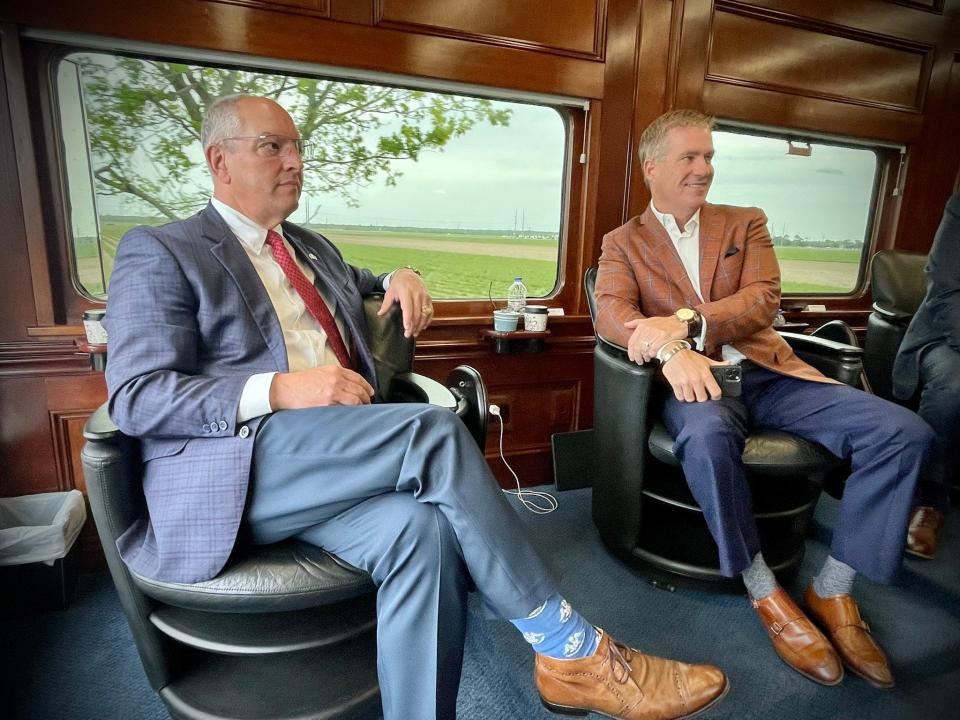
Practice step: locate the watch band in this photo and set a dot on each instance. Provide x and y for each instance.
(671, 349)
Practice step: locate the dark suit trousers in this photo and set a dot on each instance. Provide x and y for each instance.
(886, 444)
(940, 407)
(402, 492)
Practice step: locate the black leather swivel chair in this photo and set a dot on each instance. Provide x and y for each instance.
(641, 503)
(898, 284)
(266, 638)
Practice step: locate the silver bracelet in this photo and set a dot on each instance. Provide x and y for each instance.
(677, 346)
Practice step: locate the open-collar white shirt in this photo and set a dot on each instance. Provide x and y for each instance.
(687, 242)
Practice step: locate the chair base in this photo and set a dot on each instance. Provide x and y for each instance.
(265, 633)
(336, 682)
(674, 539)
(669, 574)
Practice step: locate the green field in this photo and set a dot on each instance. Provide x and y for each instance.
(465, 265)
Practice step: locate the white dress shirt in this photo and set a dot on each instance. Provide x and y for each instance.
(687, 242)
(304, 338)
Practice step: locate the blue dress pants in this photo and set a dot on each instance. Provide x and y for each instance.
(887, 446)
(402, 492)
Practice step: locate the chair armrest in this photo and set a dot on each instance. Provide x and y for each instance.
(99, 426)
(834, 359)
(894, 316)
(411, 387)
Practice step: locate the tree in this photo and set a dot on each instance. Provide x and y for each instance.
(143, 123)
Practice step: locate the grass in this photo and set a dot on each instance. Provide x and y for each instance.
(457, 275)
(462, 274)
(836, 255)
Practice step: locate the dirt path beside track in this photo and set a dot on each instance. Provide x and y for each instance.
(531, 252)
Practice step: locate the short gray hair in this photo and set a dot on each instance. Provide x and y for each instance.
(222, 120)
(652, 141)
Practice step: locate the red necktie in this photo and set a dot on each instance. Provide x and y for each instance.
(311, 298)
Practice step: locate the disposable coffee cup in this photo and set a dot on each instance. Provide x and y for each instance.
(93, 327)
(505, 320)
(535, 318)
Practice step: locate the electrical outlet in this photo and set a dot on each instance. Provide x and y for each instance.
(503, 403)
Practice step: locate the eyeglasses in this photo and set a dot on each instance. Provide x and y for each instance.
(276, 145)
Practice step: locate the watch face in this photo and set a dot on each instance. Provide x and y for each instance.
(686, 315)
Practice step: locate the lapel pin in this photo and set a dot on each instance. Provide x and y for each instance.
(312, 256)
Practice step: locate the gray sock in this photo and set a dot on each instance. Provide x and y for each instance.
(835, 578)
(759, 579)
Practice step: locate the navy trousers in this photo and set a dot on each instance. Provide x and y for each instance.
(940, 407)
(402, 492)
(887, 446)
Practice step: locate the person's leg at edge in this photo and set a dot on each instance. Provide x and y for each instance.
(940, 408)
(709, 440)
(427, 453)
(888, 447)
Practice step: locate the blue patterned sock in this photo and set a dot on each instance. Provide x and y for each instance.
(556, 630)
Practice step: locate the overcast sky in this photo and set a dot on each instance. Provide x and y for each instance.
(824, 195)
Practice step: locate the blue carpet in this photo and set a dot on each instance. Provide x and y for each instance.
(81, 664)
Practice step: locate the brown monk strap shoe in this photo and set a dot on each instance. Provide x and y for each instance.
(923, 535)
(619, 682)
(851, 636)
(797, 640)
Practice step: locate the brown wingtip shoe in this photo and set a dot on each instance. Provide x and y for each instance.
(923, 534)
(797, 640)
(620, 682)
(840, 616)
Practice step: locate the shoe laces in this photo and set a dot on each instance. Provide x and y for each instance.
(619, 656)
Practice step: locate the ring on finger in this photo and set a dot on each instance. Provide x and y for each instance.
(426, 309)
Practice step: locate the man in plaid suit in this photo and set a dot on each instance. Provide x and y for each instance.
(692, 285)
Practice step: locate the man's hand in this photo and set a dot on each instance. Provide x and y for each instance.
(650, 334)
(324, 385)
(408, 289)
(689, 375)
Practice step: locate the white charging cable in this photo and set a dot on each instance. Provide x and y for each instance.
(539, 503)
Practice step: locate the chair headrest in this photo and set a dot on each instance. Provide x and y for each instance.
(898, 281)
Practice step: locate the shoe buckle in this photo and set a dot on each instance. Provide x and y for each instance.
(775, 629)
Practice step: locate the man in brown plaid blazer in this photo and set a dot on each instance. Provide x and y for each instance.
(692, 285)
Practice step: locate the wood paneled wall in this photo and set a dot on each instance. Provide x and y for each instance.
(887, 70)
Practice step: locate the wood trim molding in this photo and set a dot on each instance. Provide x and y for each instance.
(294, 7)
(931, 6)
(27, 174)
(778, 17)
(597, 53)
(66, 428)
(21, 359)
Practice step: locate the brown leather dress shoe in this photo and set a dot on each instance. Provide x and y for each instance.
(620, 682)
(797, 640)
(840, 616)
(923, 535)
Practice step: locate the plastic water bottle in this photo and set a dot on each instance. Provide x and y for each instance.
(517, 295)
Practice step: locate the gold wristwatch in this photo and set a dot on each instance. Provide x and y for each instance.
(691, 318)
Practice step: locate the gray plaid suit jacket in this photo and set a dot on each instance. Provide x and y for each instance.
(189, 322)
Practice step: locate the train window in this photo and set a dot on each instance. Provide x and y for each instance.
(469, 190)
(818, 197)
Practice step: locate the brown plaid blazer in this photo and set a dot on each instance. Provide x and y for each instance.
(641, 275)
